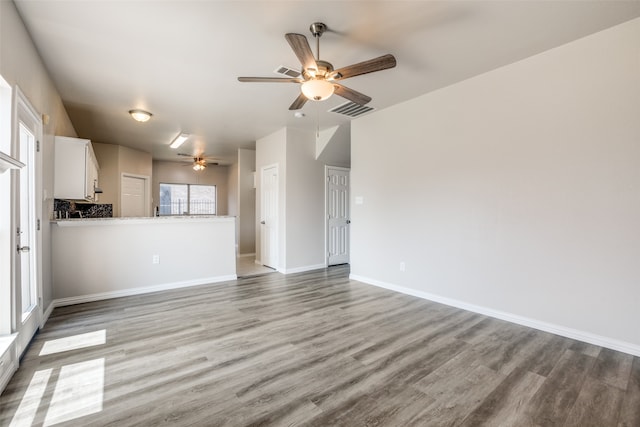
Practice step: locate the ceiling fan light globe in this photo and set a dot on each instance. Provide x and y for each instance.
(317, 90)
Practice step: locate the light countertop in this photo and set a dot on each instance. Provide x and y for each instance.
(79, 222)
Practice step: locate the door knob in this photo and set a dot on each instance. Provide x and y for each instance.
(24, 248)
(348, 221)
(262, 222)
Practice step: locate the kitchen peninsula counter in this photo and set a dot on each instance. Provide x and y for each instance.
(99, 258)
(74, 222)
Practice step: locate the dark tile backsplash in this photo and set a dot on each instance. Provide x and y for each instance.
(65, 209)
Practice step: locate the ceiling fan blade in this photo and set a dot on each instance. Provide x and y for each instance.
(197, 156)
(269, 80)
(301, 48)
(299, 102)
(376, 64)
(350, 94)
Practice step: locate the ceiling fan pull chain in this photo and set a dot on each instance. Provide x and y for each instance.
(317, 122)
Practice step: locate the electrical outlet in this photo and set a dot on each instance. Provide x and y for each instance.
(156, 259)
(403, 266)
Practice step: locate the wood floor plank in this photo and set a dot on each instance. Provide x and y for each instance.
(630, 411)
(597, 405)
(506, 404)
(585, 348)
(553, 402)
(455, 398)
(542, 357)
(613, 368)
(313, 348)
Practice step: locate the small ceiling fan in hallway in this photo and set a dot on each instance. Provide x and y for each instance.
(319, 80)
(200, 161)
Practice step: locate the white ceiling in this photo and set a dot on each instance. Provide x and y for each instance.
(180, 59)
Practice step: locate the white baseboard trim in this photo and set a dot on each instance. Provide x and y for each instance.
(61, 302)
(302, 269)
(246, 255)
(576, 334)
(257, 261)
(47, 313)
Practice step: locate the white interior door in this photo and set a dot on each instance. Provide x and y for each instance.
(133, 196)
(269, 217)
(28, 240)
(337, 215)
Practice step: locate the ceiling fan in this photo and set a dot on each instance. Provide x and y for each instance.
(200, 161)
(319, 80)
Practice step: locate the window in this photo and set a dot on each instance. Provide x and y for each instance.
(187, 199)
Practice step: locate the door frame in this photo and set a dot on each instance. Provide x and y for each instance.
(261, 217)
(147, 191)
(26, 113)
(327, 168)
(6, 214)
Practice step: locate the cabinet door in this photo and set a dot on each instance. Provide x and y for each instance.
(70, 168)
(92, 175)
(88, 176)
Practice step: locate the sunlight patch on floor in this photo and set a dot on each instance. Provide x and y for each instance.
(30, 402)
(74, 342)
(79, 392)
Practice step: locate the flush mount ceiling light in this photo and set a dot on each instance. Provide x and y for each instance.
(140, 115)
(179, 140)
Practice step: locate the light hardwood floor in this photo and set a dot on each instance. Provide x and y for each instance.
(309, 349)
(246, 267)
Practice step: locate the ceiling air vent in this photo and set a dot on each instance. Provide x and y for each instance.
(288, 72)
(351, 109)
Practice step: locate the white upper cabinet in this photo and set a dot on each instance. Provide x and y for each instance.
(76, 169)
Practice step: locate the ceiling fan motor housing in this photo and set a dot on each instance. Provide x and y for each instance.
(323, 71)
(317, 29)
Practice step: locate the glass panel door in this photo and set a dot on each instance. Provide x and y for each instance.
(28, 207)
(26, 244)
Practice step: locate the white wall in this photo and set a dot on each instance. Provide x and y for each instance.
(305, 203)
(121, 262)
(246, 202)
(517, 191)
(20, 64)
(337, 150)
